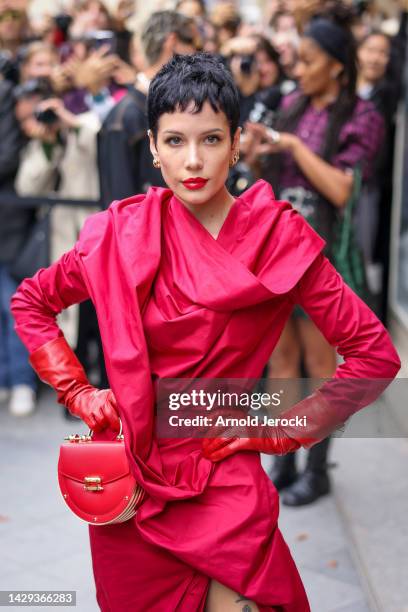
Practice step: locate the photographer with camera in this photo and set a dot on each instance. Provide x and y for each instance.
(100, 42)
(239, 53)
(93, 16)
(59, 158)
(95, 69)
(258, 73)
(37, 61)
(273, 84)
(17, 379)
(41, 61)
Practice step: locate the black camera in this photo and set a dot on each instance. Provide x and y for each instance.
(262, 114)
(360, 6)
(247, 63)
(47, 116)
(267, 102)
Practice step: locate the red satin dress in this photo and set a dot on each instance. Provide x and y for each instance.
(174, 302)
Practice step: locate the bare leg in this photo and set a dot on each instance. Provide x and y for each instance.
(285, 359)
(320, 363)
(222, 599)
(320, 357)
(285, 363)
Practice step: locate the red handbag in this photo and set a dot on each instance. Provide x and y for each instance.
(95, 480)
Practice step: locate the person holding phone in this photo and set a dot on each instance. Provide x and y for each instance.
(325, 134)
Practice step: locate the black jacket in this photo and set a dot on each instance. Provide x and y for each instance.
(14, 221)
(124, 158)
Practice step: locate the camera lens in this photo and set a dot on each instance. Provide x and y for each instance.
(47, 116)
(247, 62)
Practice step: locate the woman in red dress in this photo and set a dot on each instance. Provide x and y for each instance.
(189, 283)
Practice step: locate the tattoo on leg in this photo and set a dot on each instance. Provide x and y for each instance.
(246, 608)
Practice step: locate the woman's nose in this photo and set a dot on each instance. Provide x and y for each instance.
(193, 159)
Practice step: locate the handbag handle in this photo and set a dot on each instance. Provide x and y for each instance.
(120, 435)
(88, 437)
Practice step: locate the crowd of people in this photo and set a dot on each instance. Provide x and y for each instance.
(319, 84)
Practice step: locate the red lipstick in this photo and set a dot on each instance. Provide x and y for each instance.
(195, 183)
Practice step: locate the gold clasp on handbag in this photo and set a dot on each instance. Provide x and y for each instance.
(93, 483)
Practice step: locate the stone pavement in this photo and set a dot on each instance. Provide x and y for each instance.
(350, 548)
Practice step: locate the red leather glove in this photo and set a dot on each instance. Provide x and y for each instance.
(321, 420)
(276, 443)
(57, 365)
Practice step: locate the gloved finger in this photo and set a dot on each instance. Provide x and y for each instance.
(220, 432)
(111, 415)
(89, 420)
(210, 445)
(210, 450)
(112, 399)
(112, 411)
(95, 408)
(100, 417)
(226, 451)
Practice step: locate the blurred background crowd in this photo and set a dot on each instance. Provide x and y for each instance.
(73, 82)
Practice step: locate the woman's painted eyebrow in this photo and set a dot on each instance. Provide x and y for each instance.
(182, 134)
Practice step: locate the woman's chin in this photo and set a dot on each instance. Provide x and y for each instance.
(195, 201)
(195, 197)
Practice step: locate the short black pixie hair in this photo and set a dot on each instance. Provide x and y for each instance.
(194, 79)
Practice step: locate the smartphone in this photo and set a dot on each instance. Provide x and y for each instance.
(102, 38)
(273, 135)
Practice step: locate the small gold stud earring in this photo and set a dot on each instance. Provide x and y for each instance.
(156, 162)
(234, 160)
